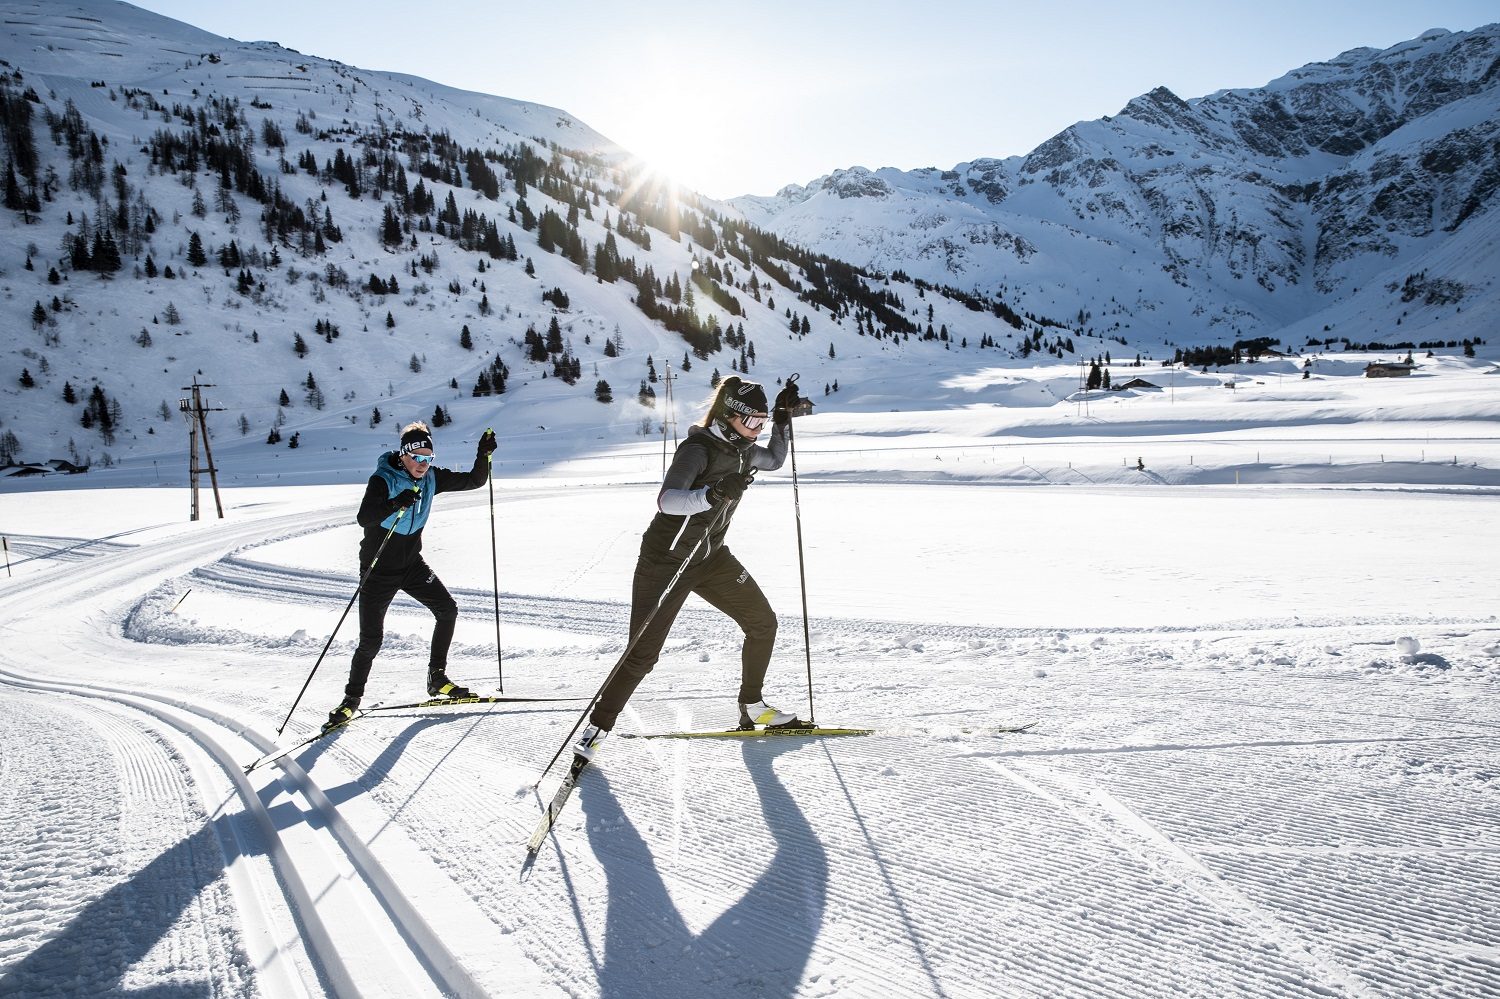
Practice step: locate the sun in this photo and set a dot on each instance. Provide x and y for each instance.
(650, 190)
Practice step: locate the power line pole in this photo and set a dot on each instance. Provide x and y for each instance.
(669, 419)
(193, 411)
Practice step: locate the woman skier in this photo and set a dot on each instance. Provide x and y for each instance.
(399, 495)
(709, 474)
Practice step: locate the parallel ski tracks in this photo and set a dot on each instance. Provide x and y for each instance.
(321, 913)
(363, 936)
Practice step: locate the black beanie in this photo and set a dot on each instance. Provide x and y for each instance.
(416, 439)
(744, 398)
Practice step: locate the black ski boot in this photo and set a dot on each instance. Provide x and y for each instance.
(342, 713)
(438, 685)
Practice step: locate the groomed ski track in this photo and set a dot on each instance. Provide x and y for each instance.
(1200, 814)
(331, 899)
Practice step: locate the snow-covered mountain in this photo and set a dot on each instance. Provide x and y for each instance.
(1353, 194)
(336, 250)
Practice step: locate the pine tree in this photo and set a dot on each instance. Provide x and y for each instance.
(602, 391)
(69, 396)
(465, 339)
(26, 380)
(196, 256)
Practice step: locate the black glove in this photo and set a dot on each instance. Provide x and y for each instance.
(403, 499)
(730, 488)
(487, 443)
(786, 401)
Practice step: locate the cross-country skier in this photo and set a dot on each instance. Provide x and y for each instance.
(400, 495)
(709, 474)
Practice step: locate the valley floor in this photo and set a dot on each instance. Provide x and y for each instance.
(1265, 760)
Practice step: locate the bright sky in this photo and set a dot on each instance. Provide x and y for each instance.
(744, 99)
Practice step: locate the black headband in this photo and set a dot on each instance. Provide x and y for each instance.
(415, 440)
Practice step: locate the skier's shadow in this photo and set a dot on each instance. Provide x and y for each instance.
(110, 935)
(759, 947)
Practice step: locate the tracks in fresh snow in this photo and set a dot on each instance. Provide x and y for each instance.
(359, 930)
(331, 898)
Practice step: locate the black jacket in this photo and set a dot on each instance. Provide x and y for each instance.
(684, 511)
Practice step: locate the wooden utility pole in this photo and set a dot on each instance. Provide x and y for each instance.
(193, 411)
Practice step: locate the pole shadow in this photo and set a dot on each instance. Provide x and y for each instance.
(758, 947)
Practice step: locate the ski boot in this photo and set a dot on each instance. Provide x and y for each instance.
(761, 713)
(588, 743)
(342, 713)
(438, 685)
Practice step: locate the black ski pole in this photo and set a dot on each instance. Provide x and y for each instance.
(630, 646)
(791, 442)
(329, 643)
(495, 566)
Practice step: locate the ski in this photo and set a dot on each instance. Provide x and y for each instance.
(815, 732)
(325, 731)
(564, 792)
(812, 732)
(440, 702)
(436, 702)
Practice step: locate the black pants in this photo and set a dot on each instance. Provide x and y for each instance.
(724, 583)
(422, 584)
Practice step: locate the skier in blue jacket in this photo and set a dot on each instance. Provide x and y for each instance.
(399, 495)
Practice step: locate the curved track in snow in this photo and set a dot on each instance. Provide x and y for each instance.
(320, 909)
(1240, 814)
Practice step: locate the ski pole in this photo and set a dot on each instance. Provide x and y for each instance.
(791, 441)
(6, 542)
(630, 646)
(326, 645)
(495, 567)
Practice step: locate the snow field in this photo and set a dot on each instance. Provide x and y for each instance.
(1264, 765)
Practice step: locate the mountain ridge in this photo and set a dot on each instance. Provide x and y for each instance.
(1291, 197)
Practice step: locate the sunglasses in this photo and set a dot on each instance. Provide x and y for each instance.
(422, 459)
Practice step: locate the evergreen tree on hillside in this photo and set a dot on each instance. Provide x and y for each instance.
(195, 255)
(390, 227)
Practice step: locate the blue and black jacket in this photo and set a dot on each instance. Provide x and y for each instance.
(379, 511)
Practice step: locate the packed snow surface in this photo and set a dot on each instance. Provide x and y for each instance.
(1256, 628)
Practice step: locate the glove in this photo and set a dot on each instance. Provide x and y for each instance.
(403, 499)
(786, 401)
(730, 488)
(487, 443)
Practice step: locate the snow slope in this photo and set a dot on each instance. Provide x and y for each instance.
(1251, 611)
(1268, 721)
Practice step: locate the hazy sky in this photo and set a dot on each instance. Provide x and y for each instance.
(746, 98)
